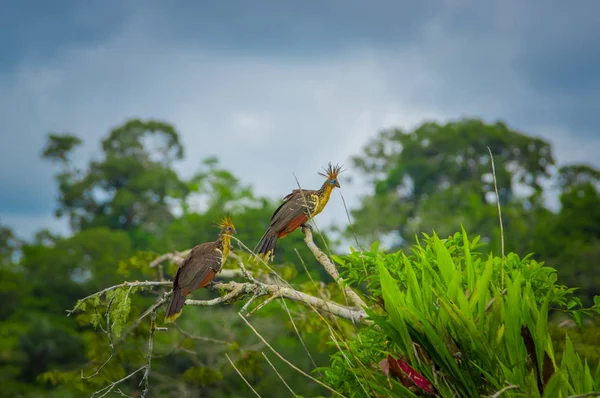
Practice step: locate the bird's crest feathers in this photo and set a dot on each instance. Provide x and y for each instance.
(225, 222)
(332, 171)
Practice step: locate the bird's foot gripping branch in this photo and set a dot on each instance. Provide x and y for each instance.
(108, 310)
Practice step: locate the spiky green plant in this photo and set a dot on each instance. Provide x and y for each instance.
(447, 326)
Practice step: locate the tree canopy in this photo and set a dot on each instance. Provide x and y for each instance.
(129, 207)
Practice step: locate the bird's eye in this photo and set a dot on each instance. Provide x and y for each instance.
(332, 182)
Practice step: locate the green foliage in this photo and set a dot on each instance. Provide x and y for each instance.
(129, 205)
(438, 176)
(422, 178)
(130, 188)
(453, 317)
(59, 147)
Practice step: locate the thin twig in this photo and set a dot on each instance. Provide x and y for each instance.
(242, 376)
(110, 342)
(247, 305)
(281, 377)
(121, 393)
(150, 310)
(285, 360)
(299, 336)
(264, 303)
(354, 233)
(146, 376)
(505, 389)
(200, 338)
(499, 214)
(245, 273)
(109, 388)
(350, 223)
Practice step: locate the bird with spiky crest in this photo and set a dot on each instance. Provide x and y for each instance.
(200, 267)
(297, 208)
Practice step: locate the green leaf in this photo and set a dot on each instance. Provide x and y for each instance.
(578, 318)
(444, 260)
(394, 305)
(555, 386)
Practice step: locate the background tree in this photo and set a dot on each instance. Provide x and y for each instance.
(571, 240)
(439, 176)
(131, 187)
(125, 209)
(129, 206)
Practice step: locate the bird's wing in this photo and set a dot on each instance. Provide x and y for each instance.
(201, 264)
(293, 208)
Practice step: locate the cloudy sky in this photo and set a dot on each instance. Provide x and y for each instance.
(274, 88)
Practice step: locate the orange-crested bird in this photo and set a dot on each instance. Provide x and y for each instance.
(199, 268)
(297, 208)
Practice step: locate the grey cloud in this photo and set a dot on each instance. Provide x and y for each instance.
(272, 105)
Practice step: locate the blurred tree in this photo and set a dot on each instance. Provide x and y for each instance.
(9, 245)
(125, 209)
(131, 188)
(571, 242)
(52, 274)
(438, 176)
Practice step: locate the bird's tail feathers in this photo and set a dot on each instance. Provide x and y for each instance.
(266, 246)
(175, 306)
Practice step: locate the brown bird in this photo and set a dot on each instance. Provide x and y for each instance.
(199, 268)
(297, 208)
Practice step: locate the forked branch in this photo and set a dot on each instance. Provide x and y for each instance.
(250, 290)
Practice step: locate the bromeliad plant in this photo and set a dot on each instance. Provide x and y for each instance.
(451, 322)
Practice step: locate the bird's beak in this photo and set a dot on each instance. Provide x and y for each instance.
(234, 231)
(337, 184)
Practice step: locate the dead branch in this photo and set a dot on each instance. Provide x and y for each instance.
(238, 290)
(232, 291)
(331, 268)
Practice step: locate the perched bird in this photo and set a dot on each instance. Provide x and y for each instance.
(199, 268)
(297, 208)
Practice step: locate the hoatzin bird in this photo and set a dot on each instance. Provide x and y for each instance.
(297, 208)
(199, 268)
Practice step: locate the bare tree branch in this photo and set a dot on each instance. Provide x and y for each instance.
(232, 291)
(110, 387)
(237, 290)
(124, 284)
(331, 268)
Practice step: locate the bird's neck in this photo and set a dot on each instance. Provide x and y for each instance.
(324, 193)
(224, 242)
(325, 190)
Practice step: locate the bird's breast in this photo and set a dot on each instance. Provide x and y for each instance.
(321, 201)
